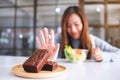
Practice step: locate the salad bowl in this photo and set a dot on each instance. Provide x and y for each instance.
(75, 55)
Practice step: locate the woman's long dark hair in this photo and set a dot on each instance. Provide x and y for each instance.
(84, 38)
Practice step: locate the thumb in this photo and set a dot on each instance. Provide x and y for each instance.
(55, 52)
(57, 47)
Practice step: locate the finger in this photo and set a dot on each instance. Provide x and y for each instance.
(52, 37)
(55, 52)
(45, 30)
(94, 51)
(57, 48)
(97, 53)
(98, 58)
(42, 37)
(38, 42)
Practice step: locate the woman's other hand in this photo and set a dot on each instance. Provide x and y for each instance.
(47, 42)
(97, 54)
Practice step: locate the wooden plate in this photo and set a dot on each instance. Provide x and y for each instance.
(19, 71)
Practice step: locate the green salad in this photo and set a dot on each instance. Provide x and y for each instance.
(74, 55)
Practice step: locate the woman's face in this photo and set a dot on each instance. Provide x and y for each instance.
(74, 26)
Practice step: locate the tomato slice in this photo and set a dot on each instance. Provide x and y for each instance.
(78, 51)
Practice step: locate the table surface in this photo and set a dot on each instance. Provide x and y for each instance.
(88, 70)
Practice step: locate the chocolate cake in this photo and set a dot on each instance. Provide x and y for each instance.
(50, 66)
(36, 61)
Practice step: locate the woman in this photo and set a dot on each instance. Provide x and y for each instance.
(75, 33)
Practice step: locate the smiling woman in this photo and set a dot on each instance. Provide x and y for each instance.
(75, 33)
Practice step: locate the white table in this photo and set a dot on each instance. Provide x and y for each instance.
(88, 70)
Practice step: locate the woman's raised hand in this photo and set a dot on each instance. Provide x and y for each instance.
(47, 42)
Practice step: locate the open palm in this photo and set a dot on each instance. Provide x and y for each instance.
(47, 42)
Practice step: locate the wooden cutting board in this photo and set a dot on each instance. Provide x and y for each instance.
(19, 71)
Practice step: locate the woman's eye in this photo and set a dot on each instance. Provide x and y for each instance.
(76, 25)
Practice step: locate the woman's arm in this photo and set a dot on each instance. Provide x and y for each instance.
(109, 52)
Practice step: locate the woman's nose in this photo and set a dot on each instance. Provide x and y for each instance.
(73, 29)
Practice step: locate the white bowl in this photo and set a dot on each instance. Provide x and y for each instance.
(76, 56)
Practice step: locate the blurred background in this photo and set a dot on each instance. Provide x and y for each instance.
(20, 21)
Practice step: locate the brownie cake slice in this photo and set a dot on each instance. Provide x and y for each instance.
(36, 61)
(50, 66)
